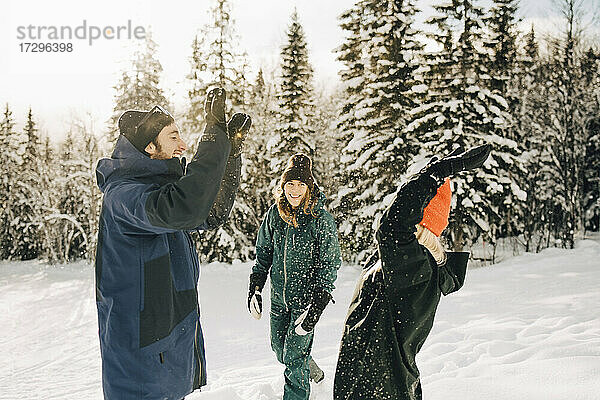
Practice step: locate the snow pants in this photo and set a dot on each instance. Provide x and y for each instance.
(292, 350)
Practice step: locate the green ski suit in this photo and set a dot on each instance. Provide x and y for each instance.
(299, 260)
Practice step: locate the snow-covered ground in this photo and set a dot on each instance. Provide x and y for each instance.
(528, 328)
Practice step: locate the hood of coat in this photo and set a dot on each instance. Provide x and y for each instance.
(128, 163)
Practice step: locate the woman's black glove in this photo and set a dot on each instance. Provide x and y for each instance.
(306, 322)
(257, 282)
(456, 162)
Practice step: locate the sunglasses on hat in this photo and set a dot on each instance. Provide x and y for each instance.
(151, 116)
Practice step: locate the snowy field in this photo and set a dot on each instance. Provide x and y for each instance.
(527, 328)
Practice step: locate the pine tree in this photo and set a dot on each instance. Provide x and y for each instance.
(193, 121)
(258, 178)
(241, 91)
(138, 87)
(527, 81)
(591, 179)
(569, 106)
(236, 238)
(349, 53)
(225, 63)
(329, 142)
(380, 57)
(501, 40)
(459, 109)
(294, 130)
(73, 215)
(10, 144)
(502, 67)
(28, 203)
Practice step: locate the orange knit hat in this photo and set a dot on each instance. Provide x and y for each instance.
(435, 215)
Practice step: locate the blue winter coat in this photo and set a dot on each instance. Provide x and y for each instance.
(147, 268)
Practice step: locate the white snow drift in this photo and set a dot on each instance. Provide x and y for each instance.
(527, 328)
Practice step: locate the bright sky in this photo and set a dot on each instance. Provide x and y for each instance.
(58, 85)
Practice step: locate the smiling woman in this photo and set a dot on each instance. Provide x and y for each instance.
(298, 246)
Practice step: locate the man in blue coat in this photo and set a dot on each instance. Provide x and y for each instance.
(147, 268)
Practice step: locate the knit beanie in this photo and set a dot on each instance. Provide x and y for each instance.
(299, 168)
(435, 215)
(142, 127)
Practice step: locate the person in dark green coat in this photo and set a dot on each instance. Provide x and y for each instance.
(298, 247)
(396, 298)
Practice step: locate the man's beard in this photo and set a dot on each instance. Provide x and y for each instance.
(160, 154)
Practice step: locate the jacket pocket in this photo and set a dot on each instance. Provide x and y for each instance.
(164, 306)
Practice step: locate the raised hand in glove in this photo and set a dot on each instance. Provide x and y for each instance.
(214, 107)
(306, 322)
(257, 282)
(237, 130)
(456, 162)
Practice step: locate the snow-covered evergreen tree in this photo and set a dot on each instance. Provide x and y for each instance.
(502, 68)
(139, 87)
(350, 54)
(72, 216)
(460, 109)
(225, 62)
(241, 90)
(11, 149)
(591, 178)
(237, 237)
(569, 106)
(257, 176)
(329, 142)
(558, 120)
(28, 198)
(534, 213)
(380, 57)
(501, 22)
(193, 120)
(294, 130)
(219, 62)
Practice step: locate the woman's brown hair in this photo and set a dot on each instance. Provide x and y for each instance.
(286, 211)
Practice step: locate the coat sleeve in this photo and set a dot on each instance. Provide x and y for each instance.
(264, 244)
(330, 257)
(186, 203)
(403, 259)
(219, 213)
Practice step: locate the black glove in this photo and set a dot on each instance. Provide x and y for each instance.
(306, 322)
(237, 130)
(214, 107)
(257, 282)
(456, 162)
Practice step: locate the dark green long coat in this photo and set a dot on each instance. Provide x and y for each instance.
(392, 313)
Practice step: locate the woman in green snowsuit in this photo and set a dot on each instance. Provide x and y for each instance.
(298, 247)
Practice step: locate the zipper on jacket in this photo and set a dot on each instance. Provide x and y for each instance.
(197, 351)
(284, 266)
